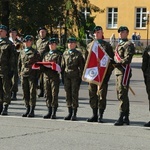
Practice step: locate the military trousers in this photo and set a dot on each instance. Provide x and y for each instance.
(5, 94)
(51, 90)
(98, 95)
(72, 85)
(122, 94)
(14, 83)
(147, 83)
(29, 86)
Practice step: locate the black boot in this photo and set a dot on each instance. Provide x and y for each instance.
(100, 119)
(94, 117)
(120, 122)
(27, 111)
(31, 113)
(1, 108)
(126, 119)
(48, 115)
(147, 124)
(68, 117)
(54, 113)
(5, 110)
(14, 96)
(74, 117)
(41, 94)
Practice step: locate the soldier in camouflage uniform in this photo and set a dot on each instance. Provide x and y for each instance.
(28, 56)
(18, 45)
(146, 74)
(98, 96)
(123, 57)
(7, 68)
(52, 78)
(42, 48)
(72, 69)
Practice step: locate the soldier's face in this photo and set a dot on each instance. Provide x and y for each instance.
(13, 34)
(28, 43)
(3, 33)
(98, 34)
(72, 45)
(52, 46)
(42, 33)
(123, 34)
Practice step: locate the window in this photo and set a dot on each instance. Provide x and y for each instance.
(112, 17)
(140, 14)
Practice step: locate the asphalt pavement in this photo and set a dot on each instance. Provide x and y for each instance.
(17, 133)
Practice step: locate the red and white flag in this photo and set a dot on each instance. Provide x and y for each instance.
(96, 65)
(52, 65)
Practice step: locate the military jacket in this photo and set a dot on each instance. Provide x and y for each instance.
(146, 61)
(72, 63)
(126, 50)
(52, 56)
(7, 57)
(108, 49)
(25, 62)
(42, 46)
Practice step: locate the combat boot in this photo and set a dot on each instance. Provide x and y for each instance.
(68, 117)
(1, 108)
(14, 96)
(48, 115)
(120, 122)
(126, 119)
(94, 117)
(147, 124)
(5, 110)
(31, 113)
(100, 119)
(54, 113)
(27, 112)
(74, 117)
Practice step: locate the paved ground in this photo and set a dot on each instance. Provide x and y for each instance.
(38, 134)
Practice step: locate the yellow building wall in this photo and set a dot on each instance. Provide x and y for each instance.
(126, 15)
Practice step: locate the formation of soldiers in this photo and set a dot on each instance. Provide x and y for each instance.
(47, 65)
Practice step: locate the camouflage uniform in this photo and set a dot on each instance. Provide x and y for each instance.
(72, 68)
(146, 74)
(98, 96)
(42, 48)
(125, 50)
(7, 68)
(29, 77)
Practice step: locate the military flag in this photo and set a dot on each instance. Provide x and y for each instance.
(96, 64)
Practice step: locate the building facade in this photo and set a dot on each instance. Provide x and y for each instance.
(131, 13)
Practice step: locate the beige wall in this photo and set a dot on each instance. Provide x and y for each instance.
(126, 15)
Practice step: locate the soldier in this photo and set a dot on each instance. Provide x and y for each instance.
(7, 68)
(42, 48)
(52, 78)
(146, 74)
(18, 45)
(123, 57)
(72, 69)
(28, 56)
(98, 96)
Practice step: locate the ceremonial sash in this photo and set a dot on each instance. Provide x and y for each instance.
(96, 65)
(51, 65)
(126, 67)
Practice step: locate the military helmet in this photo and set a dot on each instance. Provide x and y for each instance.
(72, 40)
(13, 29)
(123, 28)
(28, 38)
(3, 27)
(53, 40)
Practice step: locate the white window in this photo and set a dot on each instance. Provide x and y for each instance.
(140, 14)
(112, 17)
